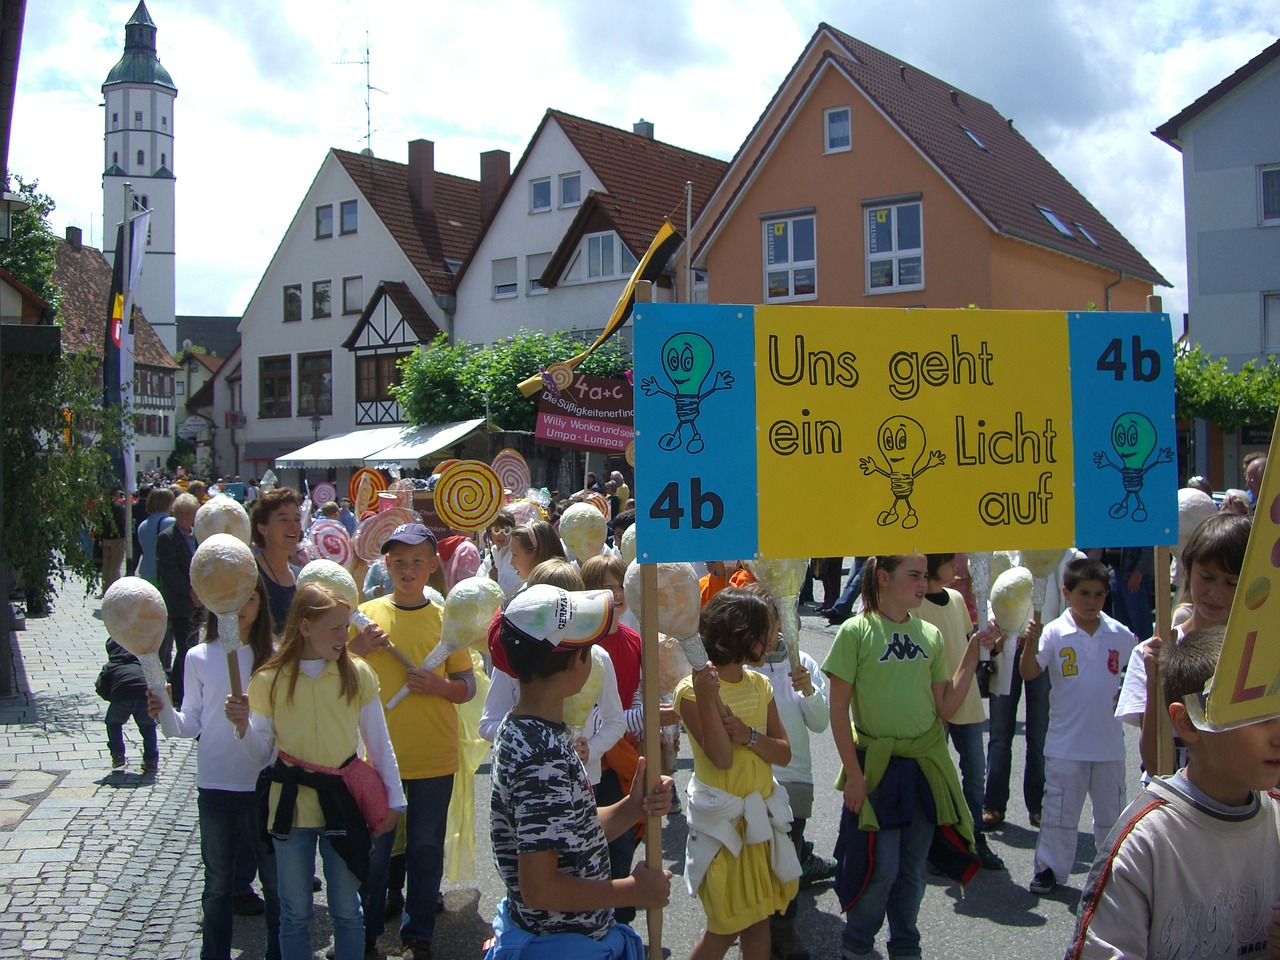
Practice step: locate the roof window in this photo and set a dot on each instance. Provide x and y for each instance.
(1056, 221)
(974, 137)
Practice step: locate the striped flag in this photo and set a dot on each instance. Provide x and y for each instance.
(117, 373)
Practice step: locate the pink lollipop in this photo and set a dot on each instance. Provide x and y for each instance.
(512, 470)
(373, 532)
(333, 543)
(323, 493)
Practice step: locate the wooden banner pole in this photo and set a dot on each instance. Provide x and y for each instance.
(1164, 630)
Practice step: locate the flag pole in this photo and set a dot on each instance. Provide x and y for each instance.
(125, 448)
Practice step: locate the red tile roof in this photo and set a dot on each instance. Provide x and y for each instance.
(208, 361)
(426, 241)
(84, 276)
(1171, 130)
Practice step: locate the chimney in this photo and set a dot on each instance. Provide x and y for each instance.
(422, 176)
(495, 171)
(643, 128)
(74, 237)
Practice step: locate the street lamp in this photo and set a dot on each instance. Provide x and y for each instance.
(316, 421)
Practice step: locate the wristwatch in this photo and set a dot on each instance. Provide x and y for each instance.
(751, 740)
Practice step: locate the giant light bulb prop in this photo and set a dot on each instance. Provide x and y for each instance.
(136, 618)
(224, 576)
(1011, 607)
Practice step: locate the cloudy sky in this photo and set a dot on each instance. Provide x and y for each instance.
(265, 87)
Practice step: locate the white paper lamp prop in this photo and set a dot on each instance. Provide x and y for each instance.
(224, 576)
(221, 514)
(628, 545)
(582, 528)
(577, 708)
(1011, 607)
(136, 618)
(678, 603)
(980, 586)
(783, 579)
(468, 610)
(335, 577)
(1042, 564)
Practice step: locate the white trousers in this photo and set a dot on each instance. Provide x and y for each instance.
(1066, 782)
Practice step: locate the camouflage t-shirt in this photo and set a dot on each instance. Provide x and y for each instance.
(542, 800)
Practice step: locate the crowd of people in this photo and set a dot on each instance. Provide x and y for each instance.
(309, 760)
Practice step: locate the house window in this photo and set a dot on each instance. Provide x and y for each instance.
(142, 158)
(535, 264)
(540, 195)
(839, 136)
(137, 118)
(974, 137)
(699, 286)
(320, 299)
(274, 382)
(292, 302)
(790, 259)
(504, 278)
(608, 256)
(163, 160)
(1270, 190)
(376, 375)
(352, 294)
(570, 189)
(1271, 322)
(350, 216)
(895, 248)
(324, 221)
(1056, 221)
(182, 388)
(115, 156)
(1086, 234)
(315, 384)
(453, 266)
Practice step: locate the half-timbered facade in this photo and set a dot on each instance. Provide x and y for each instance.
(393, 323)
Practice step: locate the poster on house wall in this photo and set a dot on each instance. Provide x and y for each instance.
(788, 431)
(583, 412)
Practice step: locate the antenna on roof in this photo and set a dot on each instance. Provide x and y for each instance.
(368, 95)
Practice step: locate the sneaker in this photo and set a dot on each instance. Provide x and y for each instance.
(847, 954)
(815, 869)
(150, 766)
(988, 857)
(248, 905)
(416, 950)
(1043, 882)
(786, 945)
(117, 764)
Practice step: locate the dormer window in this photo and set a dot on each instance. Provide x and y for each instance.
(1056, 221)
(837, 124)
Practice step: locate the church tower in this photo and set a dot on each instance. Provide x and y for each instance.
(138, 95)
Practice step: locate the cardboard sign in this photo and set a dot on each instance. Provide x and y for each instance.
(788, 431)
(590, 413)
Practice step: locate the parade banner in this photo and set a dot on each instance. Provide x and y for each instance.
(1246, 684)
(787, 431)
(587, 413)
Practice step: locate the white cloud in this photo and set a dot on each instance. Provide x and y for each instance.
(262, 94)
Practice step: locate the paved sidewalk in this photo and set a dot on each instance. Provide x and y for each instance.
(92, 864)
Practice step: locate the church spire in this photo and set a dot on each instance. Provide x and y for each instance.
(140, 63)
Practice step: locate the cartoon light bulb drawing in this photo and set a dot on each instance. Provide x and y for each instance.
(687, 359)
(1133, 436)
(902, 443)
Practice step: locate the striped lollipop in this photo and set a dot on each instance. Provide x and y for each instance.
(512, 471)
(373, 532)
(323, 493)
(599, 501)
(332, 542)
(377, 482)
(468, 495)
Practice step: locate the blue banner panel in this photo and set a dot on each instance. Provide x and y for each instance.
(1126, 469)
(695, 443)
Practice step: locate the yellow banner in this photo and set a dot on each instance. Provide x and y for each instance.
(911, 425)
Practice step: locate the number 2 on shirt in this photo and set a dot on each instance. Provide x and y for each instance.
(1069, 668)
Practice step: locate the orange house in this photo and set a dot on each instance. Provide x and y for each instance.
(866, 182)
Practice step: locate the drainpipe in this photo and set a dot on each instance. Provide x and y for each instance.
(1106, 293)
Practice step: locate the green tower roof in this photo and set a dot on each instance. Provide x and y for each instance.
(140, 64)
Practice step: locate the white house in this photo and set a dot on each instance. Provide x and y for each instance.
(581, 207)
(364, 221)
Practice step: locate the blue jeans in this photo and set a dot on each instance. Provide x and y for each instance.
(425, 815)
(227, 817)
(295, 866)
(895, 889)
(118, 711)
(1004, 718)
(1134, 608)
(967, 738)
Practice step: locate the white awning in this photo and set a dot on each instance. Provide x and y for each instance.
(418, 442)
(342, 449)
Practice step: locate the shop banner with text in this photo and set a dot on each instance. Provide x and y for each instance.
(788, 431)
(586, 413)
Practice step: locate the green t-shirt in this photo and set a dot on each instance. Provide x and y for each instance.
(892, 667)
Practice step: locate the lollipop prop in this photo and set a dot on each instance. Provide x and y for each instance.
(1011, 605)
(783, 579)
(577, 709)
(582, 528)
(1042, 564)
(224, 576)
(335, 577)
(468, 610)
(221, 514)
(468, 495)
(135, 615)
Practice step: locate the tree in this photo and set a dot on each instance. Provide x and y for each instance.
(444, 383)
(55, 434)
(1205, 389)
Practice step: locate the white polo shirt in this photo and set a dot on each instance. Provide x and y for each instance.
(1085, 674)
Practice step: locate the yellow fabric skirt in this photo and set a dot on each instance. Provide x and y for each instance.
(740, 891)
